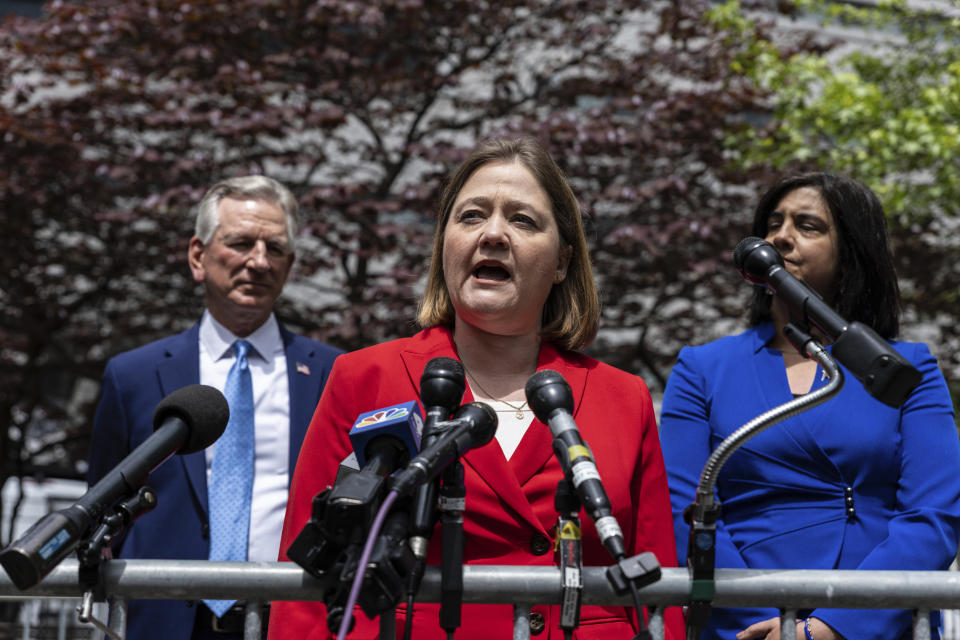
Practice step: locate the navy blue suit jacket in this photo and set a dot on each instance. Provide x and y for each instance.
(850, 484)
(133, 383)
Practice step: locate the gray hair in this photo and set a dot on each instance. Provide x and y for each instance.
(245, 188)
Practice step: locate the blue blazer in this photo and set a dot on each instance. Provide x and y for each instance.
(850, 484)
(133, 383)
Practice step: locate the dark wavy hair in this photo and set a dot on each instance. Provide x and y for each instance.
(867, 289)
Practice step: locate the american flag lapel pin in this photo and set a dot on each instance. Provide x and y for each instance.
(302, 368)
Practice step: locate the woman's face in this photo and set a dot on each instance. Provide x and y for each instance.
(502, 251)
(802, 230)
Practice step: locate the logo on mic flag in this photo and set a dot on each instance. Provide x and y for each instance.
(403, 421)
(381, 416)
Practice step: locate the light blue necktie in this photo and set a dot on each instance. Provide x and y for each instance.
(231, 474)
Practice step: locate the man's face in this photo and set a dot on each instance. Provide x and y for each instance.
(244, 267)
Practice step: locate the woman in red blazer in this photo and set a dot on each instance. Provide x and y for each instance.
(510, 292)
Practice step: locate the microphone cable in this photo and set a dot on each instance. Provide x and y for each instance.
(361, 565)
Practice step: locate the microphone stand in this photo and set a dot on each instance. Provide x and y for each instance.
(453, 498)
(628, 574)
(90, 534)
(90, 552)
(702, 515)
(423, 518)
(570, 556)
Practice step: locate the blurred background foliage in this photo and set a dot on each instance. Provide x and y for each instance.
(668, 117)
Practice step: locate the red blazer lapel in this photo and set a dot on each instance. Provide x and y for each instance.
(488, 461)
(424, 347)
(535, 450)
(536, 447)
(490, 464)
(505, 479)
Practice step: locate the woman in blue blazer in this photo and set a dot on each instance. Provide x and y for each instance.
(850, 484)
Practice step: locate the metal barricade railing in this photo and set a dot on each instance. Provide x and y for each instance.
(256, 582)
(46, 617)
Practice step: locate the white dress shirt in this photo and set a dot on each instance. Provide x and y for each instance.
(271, 402)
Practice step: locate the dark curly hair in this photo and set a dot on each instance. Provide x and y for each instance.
(867, 289)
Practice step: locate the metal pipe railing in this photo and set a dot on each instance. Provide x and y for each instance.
(921, 591)
(487, 584)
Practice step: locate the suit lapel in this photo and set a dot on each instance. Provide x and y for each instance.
(430, 344)
(302, 376)
(493, 468)
(179, 368)
(771, 379)
(535, 450)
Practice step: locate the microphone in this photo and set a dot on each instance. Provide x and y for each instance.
(187, 420)
(884, 373)
(551, 399)
(473, 425)
(441, 390)
(383, 440)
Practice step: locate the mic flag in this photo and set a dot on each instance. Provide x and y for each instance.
(383, 441)
(402, 421)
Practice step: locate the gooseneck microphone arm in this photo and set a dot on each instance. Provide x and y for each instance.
(711, 470)
(703, 514)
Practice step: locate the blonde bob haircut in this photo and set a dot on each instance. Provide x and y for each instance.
(571, 313)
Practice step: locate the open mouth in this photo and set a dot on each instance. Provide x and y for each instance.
(491, 272)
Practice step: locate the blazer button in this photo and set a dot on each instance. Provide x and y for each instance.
(205, 531)
(537, 623)
(848, 501)
(539, 545)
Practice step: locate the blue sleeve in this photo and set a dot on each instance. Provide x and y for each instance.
(685, 437)
(110, 441)
(924, 532)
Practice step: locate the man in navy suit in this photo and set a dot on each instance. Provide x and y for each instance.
(242, 252)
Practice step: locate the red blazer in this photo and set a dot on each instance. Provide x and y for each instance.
(509, 503)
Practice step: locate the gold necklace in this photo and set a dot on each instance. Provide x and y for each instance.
(518, 408)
